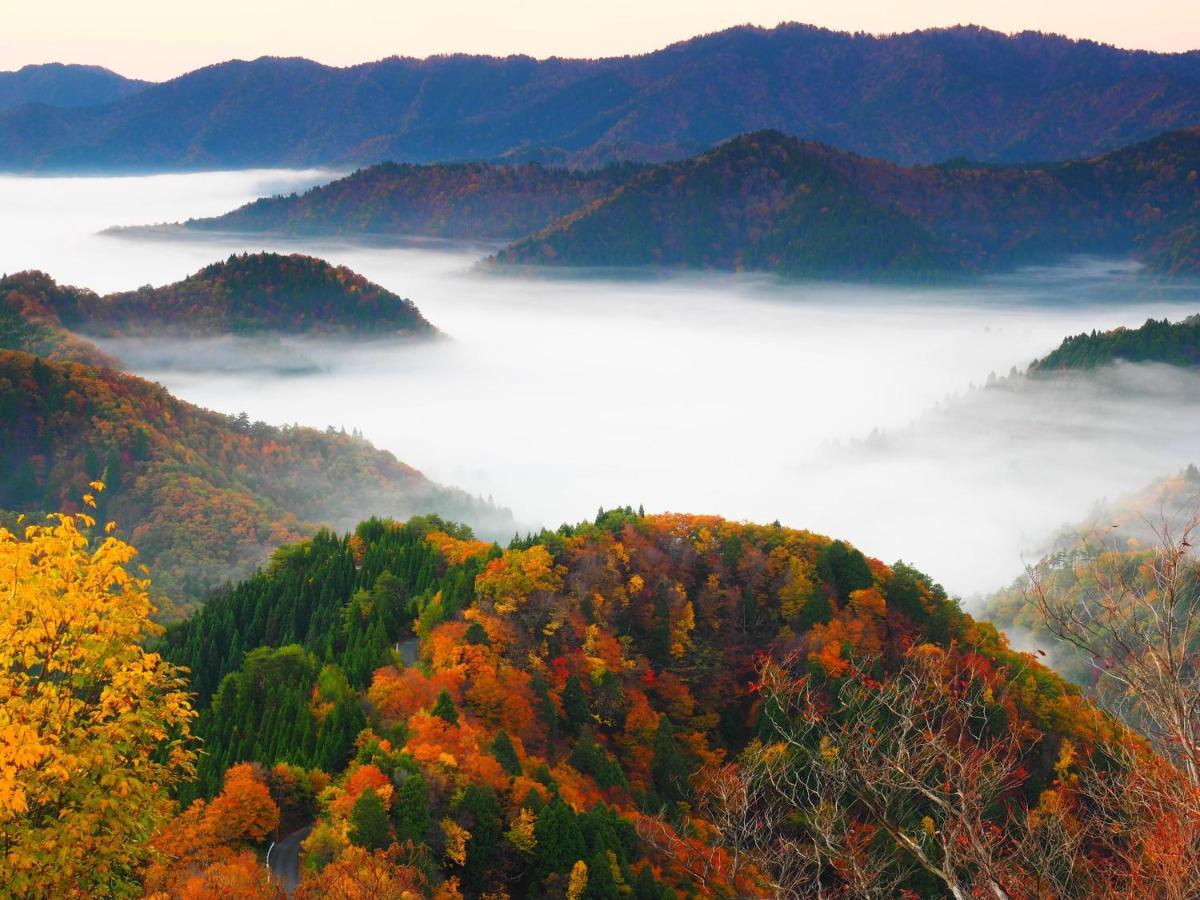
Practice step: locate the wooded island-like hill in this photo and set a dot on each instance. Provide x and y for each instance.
(769, 202)
(927, 96)
(467, 200)
(262, 293)
(766, 201)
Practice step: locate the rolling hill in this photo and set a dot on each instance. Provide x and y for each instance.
(467, 200)
(206, 496)
(767, 201)
(919, 97)
(245, 294)
(597, 701)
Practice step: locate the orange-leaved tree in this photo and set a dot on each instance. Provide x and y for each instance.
(94, 729)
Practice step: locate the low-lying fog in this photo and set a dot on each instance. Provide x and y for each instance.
(844, 409)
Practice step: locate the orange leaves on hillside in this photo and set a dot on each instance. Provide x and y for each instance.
(357, 874)
(362, 778)
(239, 875)
(858, 628)
(202, 849)
(395, 695)
(454, 550)
(454, 753)
(244, 809)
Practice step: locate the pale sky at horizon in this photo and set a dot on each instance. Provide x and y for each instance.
(160, 39)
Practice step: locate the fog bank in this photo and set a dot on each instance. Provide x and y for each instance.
(735, 395)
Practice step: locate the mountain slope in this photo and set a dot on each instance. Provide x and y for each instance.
(245, 294)
(924, 96)
(205, 495)
(66, 86)
(468, 200)
(594, 688)
(767, 201)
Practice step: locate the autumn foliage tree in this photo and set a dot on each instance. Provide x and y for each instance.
(94, 729)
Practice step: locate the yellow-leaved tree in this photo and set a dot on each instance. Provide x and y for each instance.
(94, 729)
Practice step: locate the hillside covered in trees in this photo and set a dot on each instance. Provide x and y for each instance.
(1177, 344)
(206, 496)
(766, 201)
(925, 96)
(1122, 532)
(245, 294)
(465, 200)
(644, 706)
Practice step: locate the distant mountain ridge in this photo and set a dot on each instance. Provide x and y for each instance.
(919, 97)
(769, 202)
(68, 86)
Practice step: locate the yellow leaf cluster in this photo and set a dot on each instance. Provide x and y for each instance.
(509, 580)
(456, 841)
(577, 883)
(94, 729)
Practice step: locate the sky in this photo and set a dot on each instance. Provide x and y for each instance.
(159, 39)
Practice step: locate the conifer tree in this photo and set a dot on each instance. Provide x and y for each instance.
(506, 753)
(444, 708)
(411, 810)
(369, 822)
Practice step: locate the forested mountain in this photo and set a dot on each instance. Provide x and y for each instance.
(245, 294)
(206, 496)
(643, 706)
(464, 200)
(921, 97)
(767, 201)
(29, 320)
(66, 86)
(1177, 344)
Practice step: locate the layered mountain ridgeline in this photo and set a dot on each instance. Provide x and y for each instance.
(1176, 344)
(920, 97)
(207, 496)
(633, 707)
(466, 200)
(766, 201)
(245, 294)
(66, 86)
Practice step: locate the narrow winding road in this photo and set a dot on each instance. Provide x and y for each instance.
(283, 858)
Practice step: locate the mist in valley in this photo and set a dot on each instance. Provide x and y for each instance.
(852, 410)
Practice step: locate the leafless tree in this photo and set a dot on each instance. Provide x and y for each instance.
(1136, 617)
(854, 791)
